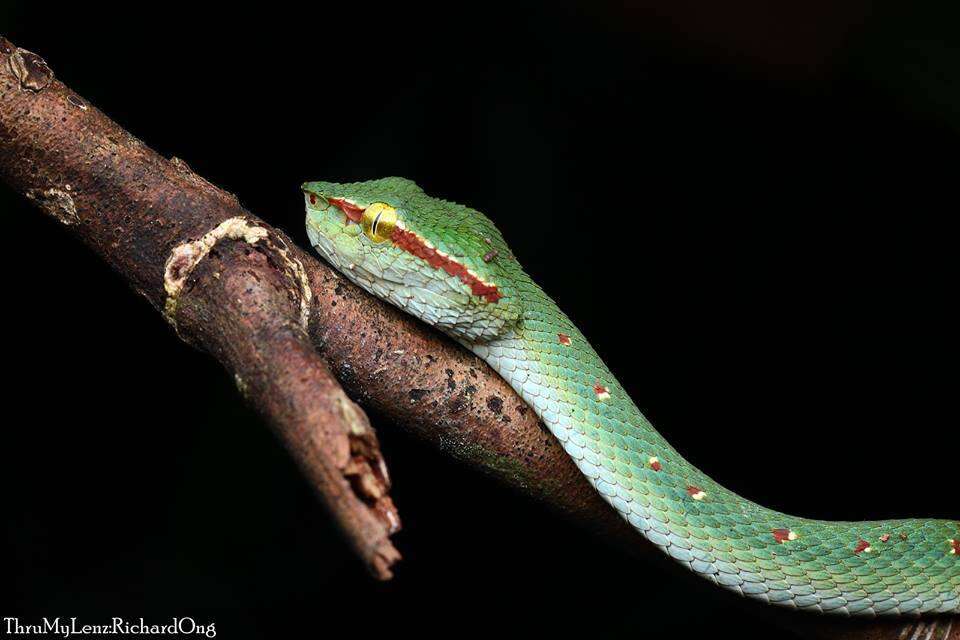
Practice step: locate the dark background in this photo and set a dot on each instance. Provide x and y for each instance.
(748, 210)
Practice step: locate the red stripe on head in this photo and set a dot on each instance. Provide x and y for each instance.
(351, 210)
(414, 245)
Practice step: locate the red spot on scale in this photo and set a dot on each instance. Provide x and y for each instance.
(696, 492)
(862, 546)
(655, 463)
(885, 537)
(415, 245)
(602, 392)
(564, 339)
(954, 547)
(349, 209)
(783, 535)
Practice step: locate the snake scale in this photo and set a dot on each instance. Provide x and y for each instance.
(449, 266)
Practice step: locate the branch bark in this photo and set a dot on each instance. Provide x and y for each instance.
(272, 314)
(228, 283)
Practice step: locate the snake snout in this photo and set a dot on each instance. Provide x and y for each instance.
(314, 199)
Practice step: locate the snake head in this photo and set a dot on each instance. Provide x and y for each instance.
(439, 261)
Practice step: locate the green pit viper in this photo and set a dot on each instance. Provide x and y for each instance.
(449, 266)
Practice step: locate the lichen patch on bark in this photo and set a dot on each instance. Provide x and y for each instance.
(298, 273)
(185, 257)
(57, 203)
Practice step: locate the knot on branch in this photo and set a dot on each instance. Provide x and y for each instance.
(30, 69)
(185, 257)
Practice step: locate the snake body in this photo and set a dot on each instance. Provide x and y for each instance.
(449, 266)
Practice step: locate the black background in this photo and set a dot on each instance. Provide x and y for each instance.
(749, 211)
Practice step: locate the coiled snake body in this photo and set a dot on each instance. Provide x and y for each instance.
(449, 266)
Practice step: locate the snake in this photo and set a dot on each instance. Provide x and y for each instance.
(448, 265)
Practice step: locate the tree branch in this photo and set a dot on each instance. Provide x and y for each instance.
(228, 283)
(241, 290)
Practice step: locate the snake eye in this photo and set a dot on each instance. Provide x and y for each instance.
(378, 221)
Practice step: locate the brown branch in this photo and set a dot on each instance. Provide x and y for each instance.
(237, 288)
(229, 283)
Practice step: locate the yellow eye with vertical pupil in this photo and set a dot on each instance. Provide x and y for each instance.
(378, 221)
